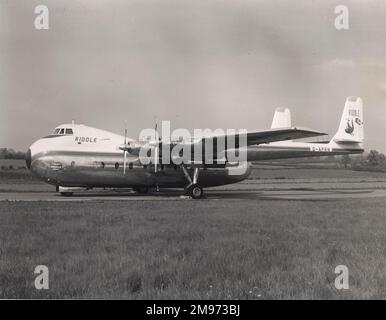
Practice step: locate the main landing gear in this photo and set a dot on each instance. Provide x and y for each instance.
(193, 189)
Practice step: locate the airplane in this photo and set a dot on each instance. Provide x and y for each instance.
(77, 157)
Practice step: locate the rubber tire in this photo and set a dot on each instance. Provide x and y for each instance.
(195, 191)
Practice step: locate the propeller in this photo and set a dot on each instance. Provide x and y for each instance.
(128, 148)
(125, 147)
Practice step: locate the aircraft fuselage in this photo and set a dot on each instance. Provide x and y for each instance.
(94, 160)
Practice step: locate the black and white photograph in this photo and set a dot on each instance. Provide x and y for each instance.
(192, 150)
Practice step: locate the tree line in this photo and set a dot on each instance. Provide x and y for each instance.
(373, 160)
(7, 153)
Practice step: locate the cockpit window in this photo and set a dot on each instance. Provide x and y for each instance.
(63, 131)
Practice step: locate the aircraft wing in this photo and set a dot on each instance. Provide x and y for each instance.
(267, 136)
(236, 140)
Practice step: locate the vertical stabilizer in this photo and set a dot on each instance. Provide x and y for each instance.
(281, 119)
(351, 124)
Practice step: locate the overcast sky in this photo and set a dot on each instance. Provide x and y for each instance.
(199, 64)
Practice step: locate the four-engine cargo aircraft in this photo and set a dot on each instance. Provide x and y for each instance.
(77, 157)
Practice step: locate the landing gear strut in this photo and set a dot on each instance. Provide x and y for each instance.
(193, 189)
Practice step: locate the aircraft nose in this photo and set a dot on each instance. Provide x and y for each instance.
(28, 159)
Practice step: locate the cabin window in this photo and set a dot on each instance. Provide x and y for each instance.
(116, 165)
(72, 164)
(61, 131)
(102, 164)
(69, 131)
(56, 131)
(130, 165)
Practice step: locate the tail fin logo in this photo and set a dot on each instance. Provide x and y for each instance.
(350, 127)
(358, 121)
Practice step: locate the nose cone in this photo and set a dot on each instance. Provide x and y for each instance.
(28, 159)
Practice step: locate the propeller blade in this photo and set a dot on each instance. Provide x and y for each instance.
(156, 147)
(156, 158)
(124, 151)
(124, 162)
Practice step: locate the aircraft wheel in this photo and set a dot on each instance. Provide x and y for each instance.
(141, 190)
(66, 194)
(195, 191)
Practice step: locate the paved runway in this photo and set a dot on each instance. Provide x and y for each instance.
(176, 195)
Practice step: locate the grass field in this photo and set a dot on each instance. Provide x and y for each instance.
(229, 249)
